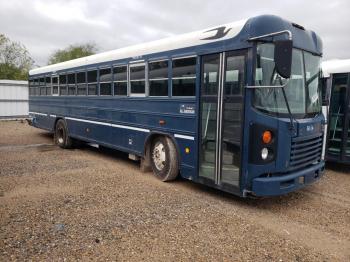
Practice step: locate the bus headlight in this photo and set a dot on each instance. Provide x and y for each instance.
(264, 153)
(263, 144)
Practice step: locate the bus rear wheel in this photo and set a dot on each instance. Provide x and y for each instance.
(61, 137)
(164, 160)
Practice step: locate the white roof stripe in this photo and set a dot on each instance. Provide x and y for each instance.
(335, 66)
(171, 43)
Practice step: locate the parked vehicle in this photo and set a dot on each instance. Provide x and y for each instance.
(236, 107)
(337, 87)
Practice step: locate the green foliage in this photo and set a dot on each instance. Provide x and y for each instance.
(72, 52)
(15, 61)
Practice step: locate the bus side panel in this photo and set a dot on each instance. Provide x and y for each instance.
(41, 121)
(187, 154)
(131, 141)
(124, 123)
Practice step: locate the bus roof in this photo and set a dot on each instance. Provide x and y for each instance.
(207, 39)
(213, 34)
(335, 66)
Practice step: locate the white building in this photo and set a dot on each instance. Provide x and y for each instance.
(13, 99)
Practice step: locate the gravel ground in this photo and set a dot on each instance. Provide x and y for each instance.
(95, 204)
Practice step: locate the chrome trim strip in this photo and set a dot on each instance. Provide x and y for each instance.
(221, 102)
(108, 124)
(218, 123)
(36, 113)
(290, 35)
(184, 137)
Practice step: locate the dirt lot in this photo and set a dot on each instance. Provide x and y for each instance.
(87, 203)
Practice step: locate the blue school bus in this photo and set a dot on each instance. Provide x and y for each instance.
(236, 107)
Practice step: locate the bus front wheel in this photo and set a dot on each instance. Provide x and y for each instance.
(61, 135)
(164, 160)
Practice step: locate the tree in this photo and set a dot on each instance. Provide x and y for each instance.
(15, 61)
(72, 52)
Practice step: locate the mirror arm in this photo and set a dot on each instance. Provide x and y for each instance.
(278, 86)
(290, 35)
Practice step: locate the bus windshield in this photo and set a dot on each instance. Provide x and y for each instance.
(302, 90)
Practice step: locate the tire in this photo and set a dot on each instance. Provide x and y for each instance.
(61, 137)
(164, 160)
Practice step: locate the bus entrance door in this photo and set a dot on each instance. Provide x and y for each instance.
(221, 104)
(338, 148)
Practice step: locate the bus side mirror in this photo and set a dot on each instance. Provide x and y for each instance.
(283, 57)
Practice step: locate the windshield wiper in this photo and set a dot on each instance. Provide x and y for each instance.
(311, 79)
(291, 117)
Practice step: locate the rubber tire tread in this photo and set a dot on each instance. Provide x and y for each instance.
(67, 141)
(171, 169)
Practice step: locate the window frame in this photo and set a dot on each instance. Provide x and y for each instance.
(48, 87)
(42, 85)
(121, 81)
(80, 84)
(155, 79)
(66, 84)
(195, 77)
(110, 67)
(92, 83)
(37, 86)
(33, 86)
(57, 84)
(137, 64)
(71, 85)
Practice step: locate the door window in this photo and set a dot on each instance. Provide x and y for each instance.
(209, 123)
(234, 78)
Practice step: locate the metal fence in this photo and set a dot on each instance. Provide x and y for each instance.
(13, 99)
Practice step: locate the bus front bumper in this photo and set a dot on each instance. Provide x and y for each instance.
(279, 185)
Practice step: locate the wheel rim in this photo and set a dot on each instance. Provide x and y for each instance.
(60, 135)
(158, 156)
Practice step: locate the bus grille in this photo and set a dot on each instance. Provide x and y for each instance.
(306, 151)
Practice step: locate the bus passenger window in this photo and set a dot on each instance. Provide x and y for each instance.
(63, 84)
(48, 85)
(120, 80)
(31, 87)
(42, 86)
(184, 77)
(36, 89)
(81, 83)
(70, 78)
(105, 81)
(92, 83)
(54, 80)
(137, 80)
(158, 78)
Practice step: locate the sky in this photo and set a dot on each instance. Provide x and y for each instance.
(45, 26)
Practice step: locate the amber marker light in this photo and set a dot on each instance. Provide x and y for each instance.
(267, 137)
(187, 150)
